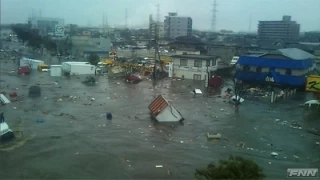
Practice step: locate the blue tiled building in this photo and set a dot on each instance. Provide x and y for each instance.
(284, 67)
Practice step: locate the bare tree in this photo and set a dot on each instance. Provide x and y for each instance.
(239, 89)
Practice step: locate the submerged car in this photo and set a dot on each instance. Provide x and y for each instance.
(133, 79)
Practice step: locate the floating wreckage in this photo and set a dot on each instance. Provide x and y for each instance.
(34, 91)
(163, 111)
(312, 103)
(5, 132)
(214, 135)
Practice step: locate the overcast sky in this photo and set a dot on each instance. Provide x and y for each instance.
(231, 15)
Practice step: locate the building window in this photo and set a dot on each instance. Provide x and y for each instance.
(208, 63)
(214, 62)
(288, 71)
(183, 62)
(259, 69)
(246, 68)
(197, 63)
(197, 77)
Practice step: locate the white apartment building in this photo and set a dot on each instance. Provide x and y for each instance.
(192, 66)
(153, 26)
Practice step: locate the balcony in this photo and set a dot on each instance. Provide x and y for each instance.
(195, 69)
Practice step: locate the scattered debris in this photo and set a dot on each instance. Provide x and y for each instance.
(4, 99)
(274, 154)
(163, 111)
(295, 125)
(214, 136)
(34, 91)
(109, 116)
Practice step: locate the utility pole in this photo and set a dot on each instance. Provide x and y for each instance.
(156, 39)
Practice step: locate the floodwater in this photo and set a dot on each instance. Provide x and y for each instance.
(73, 139)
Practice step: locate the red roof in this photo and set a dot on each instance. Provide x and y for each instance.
(158, 105)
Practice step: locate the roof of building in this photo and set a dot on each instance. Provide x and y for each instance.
(194, 56)
(275, 63)
(90, 49)
(188, 40)
(295, 53)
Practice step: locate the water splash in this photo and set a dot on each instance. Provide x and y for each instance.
(18, 141)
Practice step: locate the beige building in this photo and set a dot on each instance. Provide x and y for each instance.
(156, 28)
(192, 66)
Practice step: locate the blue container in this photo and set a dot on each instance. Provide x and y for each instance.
(109, 116)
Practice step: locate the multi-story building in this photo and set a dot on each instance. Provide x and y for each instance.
(286, 30)
(46, 24)
(192, 66)
(176, 26)
(156, 29)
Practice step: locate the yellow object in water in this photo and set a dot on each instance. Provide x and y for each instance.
(107, 61)
(43, 66)
(313, 84)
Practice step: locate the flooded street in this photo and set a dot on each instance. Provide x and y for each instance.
(73, 139)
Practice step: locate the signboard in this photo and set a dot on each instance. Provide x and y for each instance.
(313, 84)
(59, 30)
(269, 79)
(302, 173)
(170, 69)
(112, 54)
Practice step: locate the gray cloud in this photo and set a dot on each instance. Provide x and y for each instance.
(232, 14)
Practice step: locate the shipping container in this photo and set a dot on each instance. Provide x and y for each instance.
(78, 69)
(55, 70)
(32, 63)
(66, 64)
(163, 111)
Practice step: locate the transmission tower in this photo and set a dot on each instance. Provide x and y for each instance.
(126, 18)
(214, 18)
(249, 24)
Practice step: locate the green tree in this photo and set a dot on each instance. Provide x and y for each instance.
(94, 60)
(22, 32)
(235, 167)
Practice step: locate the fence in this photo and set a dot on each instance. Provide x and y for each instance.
(284, 94)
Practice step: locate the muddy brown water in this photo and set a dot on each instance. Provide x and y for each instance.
(73, 139)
